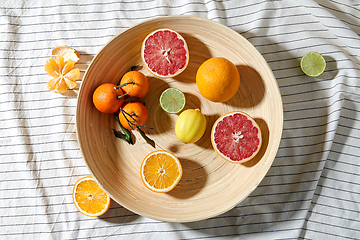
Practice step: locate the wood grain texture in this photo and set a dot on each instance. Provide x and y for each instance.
(210, 185)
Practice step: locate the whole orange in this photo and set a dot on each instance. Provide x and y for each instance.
(132, 114)
(135, 83)
(106, 98)
(218, 79)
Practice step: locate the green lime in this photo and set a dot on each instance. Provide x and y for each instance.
(172, 100)
(313, 64)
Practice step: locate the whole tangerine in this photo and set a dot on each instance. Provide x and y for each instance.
(135, 83)
(133, 114)
(218, 79)
(107, 98)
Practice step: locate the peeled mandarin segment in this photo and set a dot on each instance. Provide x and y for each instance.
(51, 84)
(60, 63)
(71, 77)
(63, 73)
(70, 83)
(60, 86)
(51, 67)
(69, 65)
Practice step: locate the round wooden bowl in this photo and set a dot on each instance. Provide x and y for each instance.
(210, 185)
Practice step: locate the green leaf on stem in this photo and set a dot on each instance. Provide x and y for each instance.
(133, 68)
(136, 126)
(126, 135)
(147, 139)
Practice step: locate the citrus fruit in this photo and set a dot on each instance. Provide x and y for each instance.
(172, 100)
(133, 114)
(236, 137)
(190, 125)
(161, 171)
(67, 53)
(107, 98)
(218, 79)
(165, 53)
(135, 83)
(63, 73)
(313, 64)
(89, 198)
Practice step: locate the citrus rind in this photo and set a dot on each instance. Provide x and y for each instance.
(175, 182)
(313, 64)
(172, 100)
(146, 63)
(221, 154)
(106, 206)
(67, 53)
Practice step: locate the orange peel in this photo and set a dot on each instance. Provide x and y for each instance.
(61, 68)
(67, 53)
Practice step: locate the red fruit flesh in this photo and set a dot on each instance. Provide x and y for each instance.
(165, 53)
(236, 137)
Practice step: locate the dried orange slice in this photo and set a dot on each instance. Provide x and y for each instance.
(63, 73)
(67, 53)
(161, 171)
(89, 198)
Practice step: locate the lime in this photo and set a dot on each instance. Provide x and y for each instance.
(172, 100)
(313, 64)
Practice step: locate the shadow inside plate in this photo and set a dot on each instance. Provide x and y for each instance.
(192, 181)
(198, 53)
(265, 142)
(251, 90)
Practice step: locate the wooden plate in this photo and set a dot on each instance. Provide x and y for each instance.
(210, 185)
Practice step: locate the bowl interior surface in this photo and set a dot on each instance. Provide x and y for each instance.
(210, 185)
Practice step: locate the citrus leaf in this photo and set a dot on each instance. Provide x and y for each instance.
(126, 135)
(122, 136)
(147, 139)
(133, 68)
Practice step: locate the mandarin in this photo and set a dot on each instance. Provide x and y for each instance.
(218, 79)
(64, 76)
(133, 114)
(107, 98)
(135, 83)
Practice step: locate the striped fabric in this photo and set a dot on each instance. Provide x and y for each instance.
(312, 191)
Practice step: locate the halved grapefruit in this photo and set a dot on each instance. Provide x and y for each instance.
(165, 53)
(236, 137)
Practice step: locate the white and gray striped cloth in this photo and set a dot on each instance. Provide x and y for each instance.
(312, 190)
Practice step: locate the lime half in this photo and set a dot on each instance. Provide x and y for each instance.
(313, 64)
(172, 100)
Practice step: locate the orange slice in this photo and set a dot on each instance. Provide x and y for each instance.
(89, 198)
(161, 171)
(64, 76)
(67, 53)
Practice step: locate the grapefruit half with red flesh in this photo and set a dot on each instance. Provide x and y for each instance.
(236, 137)
(165, 53)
